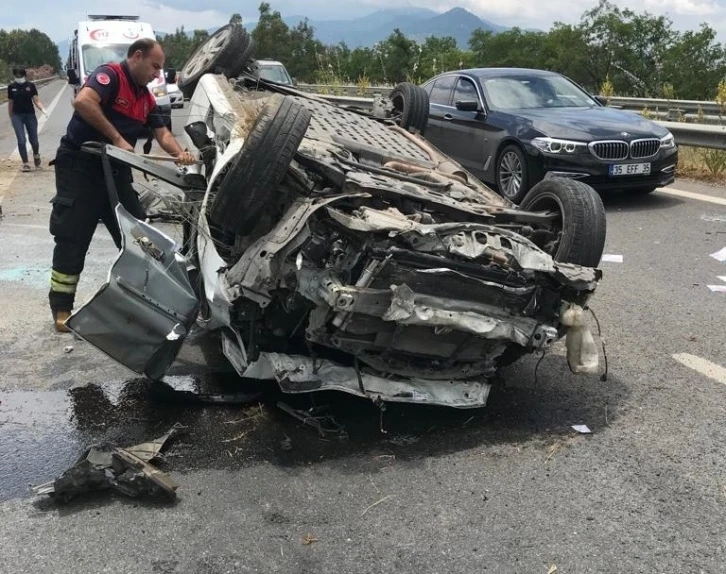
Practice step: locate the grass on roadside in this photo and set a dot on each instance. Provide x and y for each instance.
(701, 163)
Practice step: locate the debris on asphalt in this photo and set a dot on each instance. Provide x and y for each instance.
(717, 288)
(68, 349)
(286, 444)
(166, 392)
(720, 255)
(309, 539)
(404, 440)
(381, 501)
(552, 569)
(610, 258)
(107, 466)
(582, 429)
(314, 417)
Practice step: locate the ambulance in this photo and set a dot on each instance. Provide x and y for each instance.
(103, 39)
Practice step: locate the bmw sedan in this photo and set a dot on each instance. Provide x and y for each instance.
(513, 127)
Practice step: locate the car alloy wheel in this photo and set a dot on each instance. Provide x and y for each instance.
(511, 173)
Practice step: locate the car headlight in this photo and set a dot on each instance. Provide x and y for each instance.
(668, 141)
(159, 91)
(557, 146)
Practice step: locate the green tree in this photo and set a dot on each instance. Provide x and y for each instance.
(695, 64)
(272, 36)
(303, 60)
(180, 45)
(30, 48)
(511, 48)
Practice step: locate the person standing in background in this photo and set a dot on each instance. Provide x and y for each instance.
(22, 101)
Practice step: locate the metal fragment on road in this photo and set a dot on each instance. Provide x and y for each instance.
(611, 258)
(324, 424)
(107, 466)
(68, 349)
(582, 429)
(717, 288)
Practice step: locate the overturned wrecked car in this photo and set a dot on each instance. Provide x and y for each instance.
(332, 249)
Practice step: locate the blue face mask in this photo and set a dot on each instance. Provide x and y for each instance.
(20, 80)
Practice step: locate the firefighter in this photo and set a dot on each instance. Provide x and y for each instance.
(114, 106)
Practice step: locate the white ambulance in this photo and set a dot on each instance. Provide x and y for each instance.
(106, 38)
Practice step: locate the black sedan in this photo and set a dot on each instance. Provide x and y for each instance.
(513, 127)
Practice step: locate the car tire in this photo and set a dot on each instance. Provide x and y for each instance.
(581, 225)
(412, 105)
(260, 166)
(513, 173)
(219, 54)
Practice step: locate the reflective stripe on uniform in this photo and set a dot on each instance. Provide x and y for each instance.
(62, 282)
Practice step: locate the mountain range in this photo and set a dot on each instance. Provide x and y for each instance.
(415, 23)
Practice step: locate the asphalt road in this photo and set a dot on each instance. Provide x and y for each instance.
(508, 488)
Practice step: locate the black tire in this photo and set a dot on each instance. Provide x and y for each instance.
(219, 54)
(261, 164)
(581, 226)
(513, 173)
(412, 103)
(244, 59)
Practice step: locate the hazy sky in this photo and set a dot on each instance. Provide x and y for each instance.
(58, 18)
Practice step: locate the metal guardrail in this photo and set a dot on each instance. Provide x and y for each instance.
(684, 107)
(3, 89)
(688, 134)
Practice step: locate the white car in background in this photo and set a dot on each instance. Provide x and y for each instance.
(176, 98)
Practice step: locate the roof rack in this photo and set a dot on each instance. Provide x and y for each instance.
(112, 17)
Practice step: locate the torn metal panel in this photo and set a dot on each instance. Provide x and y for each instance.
(409, 309)
(300, 374)
(107, 466)
(145, 309)
(253, 276)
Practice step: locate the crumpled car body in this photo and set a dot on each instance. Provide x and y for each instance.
(379, 267)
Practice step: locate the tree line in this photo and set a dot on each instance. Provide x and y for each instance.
(28, 48)
(630, 53)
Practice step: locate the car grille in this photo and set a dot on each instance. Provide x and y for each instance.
(644, 148)
(609, 150)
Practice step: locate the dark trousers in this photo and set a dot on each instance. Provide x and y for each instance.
(82, 200)
(21, 123)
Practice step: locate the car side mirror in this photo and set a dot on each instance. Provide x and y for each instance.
(467, 105)
(294, 81)
(72, 77)
(602, 100)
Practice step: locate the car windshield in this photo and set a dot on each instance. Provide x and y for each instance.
(97, 55)
(528, 91)
(275, 73)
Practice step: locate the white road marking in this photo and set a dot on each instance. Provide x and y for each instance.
(702, 366)
(42, 120)
(692, 195)
(8, 177)
(101, 234)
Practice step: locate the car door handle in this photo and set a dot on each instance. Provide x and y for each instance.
(448, 117)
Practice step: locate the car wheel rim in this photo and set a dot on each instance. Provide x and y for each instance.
(510, 174)
(207, 53)
(550, 202)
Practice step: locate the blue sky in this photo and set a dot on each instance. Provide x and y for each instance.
(58, 18)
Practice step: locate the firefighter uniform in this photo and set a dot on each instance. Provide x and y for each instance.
(81, 198)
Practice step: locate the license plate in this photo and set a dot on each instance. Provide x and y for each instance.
(630, 169)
